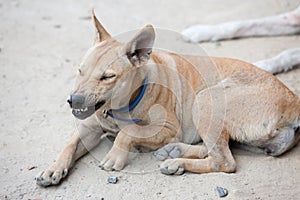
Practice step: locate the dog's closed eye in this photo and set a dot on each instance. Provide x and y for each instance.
(107, 76)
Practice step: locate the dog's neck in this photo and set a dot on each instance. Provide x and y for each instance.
(134, 101)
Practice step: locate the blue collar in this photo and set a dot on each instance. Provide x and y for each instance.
(109, 113)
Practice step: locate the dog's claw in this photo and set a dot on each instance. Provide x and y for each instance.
(114, 160)
(180, 171)
(50, 177)
(65, 173)
(171, 171)
(171, 167)
(166, 170)
(42, 181)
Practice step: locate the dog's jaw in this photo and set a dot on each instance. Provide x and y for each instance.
(84, 113)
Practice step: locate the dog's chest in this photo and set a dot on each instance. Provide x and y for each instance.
(107, 125)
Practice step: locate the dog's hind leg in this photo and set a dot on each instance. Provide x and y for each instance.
(282, 62)
(181, 150)
(219, 159)
(81, 142)
(284, 140)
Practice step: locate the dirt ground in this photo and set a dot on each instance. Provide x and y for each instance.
(41, 44)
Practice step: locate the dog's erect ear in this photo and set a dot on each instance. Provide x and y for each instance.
(101, 33)
(138, 50)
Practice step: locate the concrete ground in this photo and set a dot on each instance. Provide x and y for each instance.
(41, 44)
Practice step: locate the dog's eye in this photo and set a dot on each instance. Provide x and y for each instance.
(107, 76)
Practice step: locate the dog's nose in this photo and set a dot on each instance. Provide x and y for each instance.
(75, 101)
(69, 100)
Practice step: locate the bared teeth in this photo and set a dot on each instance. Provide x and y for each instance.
(81, 110)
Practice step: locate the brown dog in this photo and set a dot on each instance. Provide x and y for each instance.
(155, 99)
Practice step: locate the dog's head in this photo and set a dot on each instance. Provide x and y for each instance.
(109, 68)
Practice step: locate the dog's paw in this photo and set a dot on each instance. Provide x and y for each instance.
(201, 33)
(115, 160)
(168, 151)
(171, 167)
(51, 176)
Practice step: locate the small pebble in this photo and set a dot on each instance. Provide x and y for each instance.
(222, 192)
(112, 179)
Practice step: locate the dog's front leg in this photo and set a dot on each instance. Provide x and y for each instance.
(85, 138)
(116, 158)
(151, 136)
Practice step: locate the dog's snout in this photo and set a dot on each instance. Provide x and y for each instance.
(75, 101)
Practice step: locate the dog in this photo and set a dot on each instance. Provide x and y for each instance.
(283, 24)
(169, 102)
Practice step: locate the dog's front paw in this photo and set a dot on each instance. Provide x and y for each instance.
(172, 166)
(168, 151)
(114, 160)
(51, 176)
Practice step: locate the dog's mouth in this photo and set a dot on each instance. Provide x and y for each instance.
(83, 113)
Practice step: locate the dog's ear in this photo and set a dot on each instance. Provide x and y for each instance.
(101, 33)
(138, 50)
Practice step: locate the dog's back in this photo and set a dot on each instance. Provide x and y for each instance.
(255, 107)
